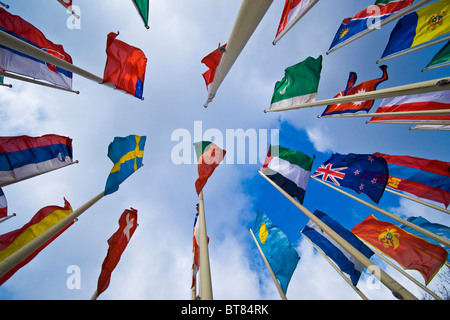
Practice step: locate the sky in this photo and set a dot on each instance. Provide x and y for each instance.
(157, 262)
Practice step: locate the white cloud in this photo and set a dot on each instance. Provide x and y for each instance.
(321, 139)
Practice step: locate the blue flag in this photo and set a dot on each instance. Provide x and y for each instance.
(279, 252)
(126, 154)
(364, 173)
(345, 261)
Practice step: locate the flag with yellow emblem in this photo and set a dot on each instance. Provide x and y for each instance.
(279, 252)
(126, 154)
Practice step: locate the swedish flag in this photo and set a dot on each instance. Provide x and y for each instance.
(126, 154)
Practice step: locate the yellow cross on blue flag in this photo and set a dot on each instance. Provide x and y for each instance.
(126, 154)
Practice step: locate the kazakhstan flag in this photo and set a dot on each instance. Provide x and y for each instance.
(279, 252)
(126, 154)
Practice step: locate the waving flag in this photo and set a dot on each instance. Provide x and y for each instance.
(364, 173)
(407, 249)
(280, 254)
(125, 66)
(117, 244)
(292, 9)
(352, 107)
(289, 169)
(196, 248)
(23, 157)
(209, 156)
(14, 61)
(418, 27)
(365, 19)
(126, 154)
(212, 61)
(345, 261)
(142, 7)
(3, 205)
(428, 179)
(441, 59)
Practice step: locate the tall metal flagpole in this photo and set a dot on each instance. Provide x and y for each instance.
(388, 281)
(418, 201)
(205, 272)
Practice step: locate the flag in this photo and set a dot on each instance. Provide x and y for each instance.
(299, 85)
(292, 9)
(365, 19)
(352, 107)
(209, 156)
(196, 248)
(289, 169)
(117, 244)
(3, 205)
(1, 79)
(125, 66)
(344, 260)
(424, 178)
(212, 61)
(280, 254)
(364, 173)
(126, 154)
(419, 27)
(43, 220)
(23, 157)
(410, 251)
(438, 100)
(66, 3)
(441, 59)
(142, 7)
(17, 62)
(436, 228)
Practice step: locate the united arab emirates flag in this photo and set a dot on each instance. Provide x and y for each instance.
(289, 169)
(299, 84)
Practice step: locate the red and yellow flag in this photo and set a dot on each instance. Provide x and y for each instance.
(410, 251)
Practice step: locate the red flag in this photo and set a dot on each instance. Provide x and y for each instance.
(66, 3)
(209, 157)
(407, 249)
(212, 61)
(117, 244)
(125, 66)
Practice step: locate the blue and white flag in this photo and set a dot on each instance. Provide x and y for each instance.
(345, 261)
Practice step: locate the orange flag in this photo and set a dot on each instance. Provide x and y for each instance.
(209, 156)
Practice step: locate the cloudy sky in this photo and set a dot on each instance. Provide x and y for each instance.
(157, 262)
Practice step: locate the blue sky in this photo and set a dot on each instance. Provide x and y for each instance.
(157, 262)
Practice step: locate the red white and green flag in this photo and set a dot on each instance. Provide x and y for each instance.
(209, 156)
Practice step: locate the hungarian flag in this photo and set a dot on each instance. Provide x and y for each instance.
(289, 169)
(209, 156)
(212, 61)
(299, 85)
(292, 9)
(14, 61)
(410, 251)
(3, 205)
(43, 220)
(125, 66)
(117, 244)
(424, 178)
(352, 107)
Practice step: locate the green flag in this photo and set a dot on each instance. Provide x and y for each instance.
(441, 59)
(299, 84)
(1, 79)
(142, 7)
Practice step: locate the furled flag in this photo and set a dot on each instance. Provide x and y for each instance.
(43, 220)
(345, 261)
(142, 7)
(441, 59)
(212, 61)
(209, 156)
(438, 100)
(299, 85)
(352, 107)
(418, 27)
(292, 9)
(428, 179)
(125, 66)
(196, 249)
(364, 173)
(289, 169)
(3, 205)
(117, 244)
(280, 254)
(127, 154)
(410, 251)
(11, 60)
(367, 19)
(24, 157)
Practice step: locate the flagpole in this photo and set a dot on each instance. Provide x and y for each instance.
(205, 272)
(4, 4)
(94, 296)
(18, 256)
(381, 24)
(419, 122)
(390, 215)
(272, 274)
(305, 11)
(436, 129)
(418, 201)
(336, 268)
(436, 66)
(7, 217)
(441, 84)
(6, 85)
(441, 112)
